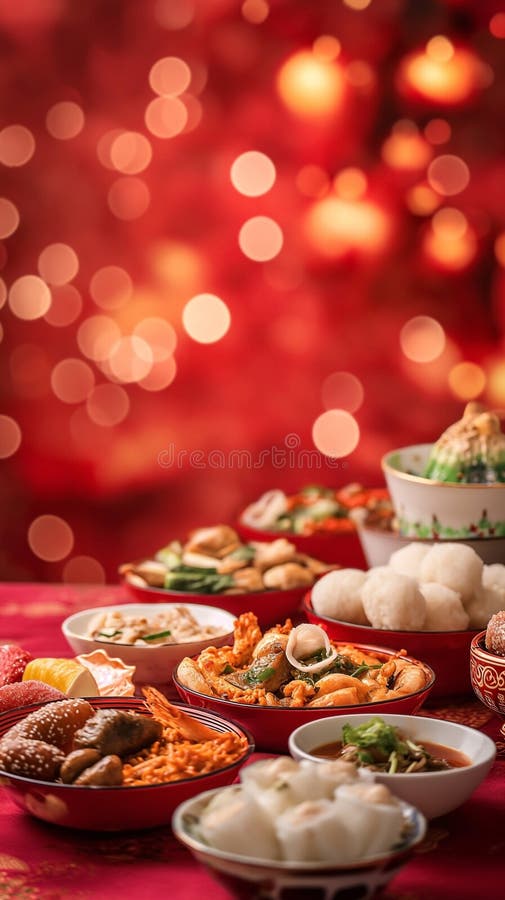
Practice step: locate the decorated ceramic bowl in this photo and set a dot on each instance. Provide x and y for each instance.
(272, 725)
(114, 808)
(153, 663)
(434, 509)
(433, 793)
(445, 651)
(378, 544)
(487, 672)
(251, 877)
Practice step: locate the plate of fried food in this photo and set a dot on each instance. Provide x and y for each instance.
(214, 567)
(275, 681)
(115, 763)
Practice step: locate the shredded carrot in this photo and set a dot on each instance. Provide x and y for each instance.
(171, 759)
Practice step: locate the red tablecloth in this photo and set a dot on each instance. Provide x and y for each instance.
(463, 856)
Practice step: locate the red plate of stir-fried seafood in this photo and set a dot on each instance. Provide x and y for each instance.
(274, 682)
(213, 566)
(115, 763)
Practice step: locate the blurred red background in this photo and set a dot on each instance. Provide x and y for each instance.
(221, 221)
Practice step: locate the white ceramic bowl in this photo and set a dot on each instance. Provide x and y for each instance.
(434, 793)
(153, 664)
(378, 544)
(433, 509)
(246, 876)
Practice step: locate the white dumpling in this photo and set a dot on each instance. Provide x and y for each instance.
(313, 831)
(276, 785)
(230, 819)
(444, 609)
(486, 602)
(374, 816)
(494, 577)
(338, 595)
(304, 642)
(393, 601)
(455, 565)
(407, 560)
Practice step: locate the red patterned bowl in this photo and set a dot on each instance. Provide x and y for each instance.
(271, 726)
(445, 651)
(343, 549)
(487, 672)
(270, 607)
(114, 808)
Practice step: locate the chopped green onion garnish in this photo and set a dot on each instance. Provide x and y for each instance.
(104, 634)
(159, 634)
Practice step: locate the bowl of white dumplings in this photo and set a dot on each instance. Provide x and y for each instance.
(300, 827)
(430, 600)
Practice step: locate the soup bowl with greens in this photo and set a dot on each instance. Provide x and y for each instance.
(433, 764)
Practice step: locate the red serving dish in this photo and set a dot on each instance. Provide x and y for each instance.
(342, 548)
(447, 652)
(114, 808)
(270, 607)
(272, 725)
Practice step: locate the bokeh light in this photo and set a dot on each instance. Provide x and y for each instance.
(350, 183)
(327, 47)
(422, 200)
(169, 76)
(29, 297)
(3, 292)
(58, 264)
(10, 436)
(128, 198)
(406, 148)
(336, 433)
(499, 249)
(467, 380)
(130, 152)
(83, 570)
(422, 339)
(17, 145)
(206, 318)
(72, 380)
(438, 131)
(342, 390)
(130, 359)
(255, 11)
(66, 306)
(9, 217)
(260, 238)
(312, 181)
(111, 287)
(448, 175)
(166, 117)
(174, 14)
(497, 25)
(496, 382)
(252, 173)
(442, 73)
(450, 242)
(50, 538)
(311, 87)
(65, 120)
(96, 337)
(108, 405)
(159, 335)
(161, 375)
(335, 226)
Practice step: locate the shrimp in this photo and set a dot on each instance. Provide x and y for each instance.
(336, 682)
(299, 692)
(173, 717)
(246, 635)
